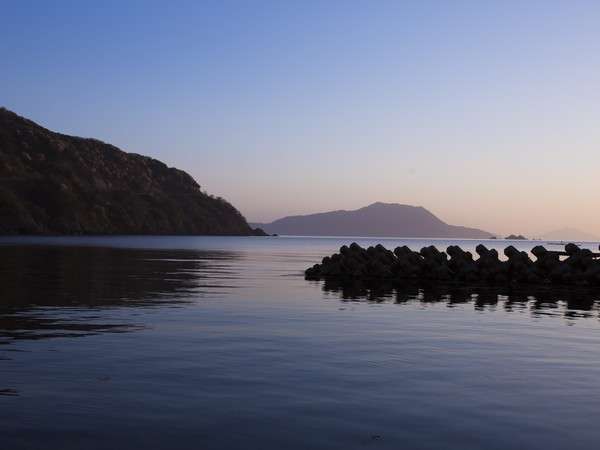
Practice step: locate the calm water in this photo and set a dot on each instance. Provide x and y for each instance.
(220, 343)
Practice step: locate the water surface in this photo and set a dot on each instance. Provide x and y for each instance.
(208, 342)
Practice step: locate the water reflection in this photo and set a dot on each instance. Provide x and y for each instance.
(65, 291)
(571, 303)
(9, 392)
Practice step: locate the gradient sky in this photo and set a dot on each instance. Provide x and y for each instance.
(486, 113)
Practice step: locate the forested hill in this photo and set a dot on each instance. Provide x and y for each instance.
(51, 183)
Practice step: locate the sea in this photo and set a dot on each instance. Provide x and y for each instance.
(220, 343)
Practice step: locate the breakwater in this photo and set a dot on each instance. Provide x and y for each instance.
(573, 266)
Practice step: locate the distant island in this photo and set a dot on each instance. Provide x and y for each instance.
(515, 237)
(51, 183)
(376, 220)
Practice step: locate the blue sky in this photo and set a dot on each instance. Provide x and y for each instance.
(484, 112)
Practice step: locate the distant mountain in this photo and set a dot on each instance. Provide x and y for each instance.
(378, 219)
(569, 234)
(51, 183)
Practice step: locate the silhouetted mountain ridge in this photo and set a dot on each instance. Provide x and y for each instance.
(378, 219)
(51, 183)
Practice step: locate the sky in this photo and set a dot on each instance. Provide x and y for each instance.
(486, 113)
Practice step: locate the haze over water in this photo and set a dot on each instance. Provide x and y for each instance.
(208, 342)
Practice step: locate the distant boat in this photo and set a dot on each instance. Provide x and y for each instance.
(570, 235)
